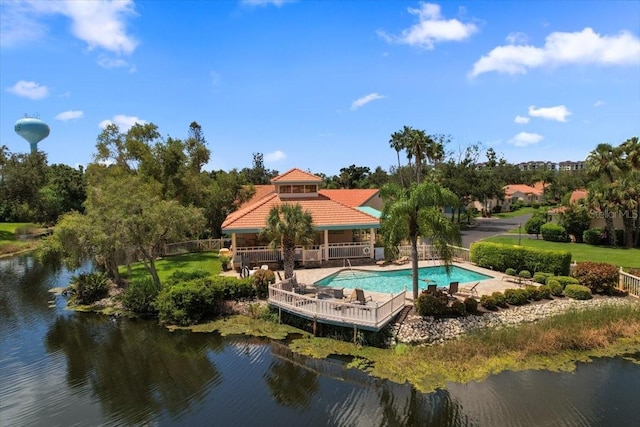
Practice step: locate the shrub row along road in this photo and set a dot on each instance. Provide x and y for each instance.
(489, 227)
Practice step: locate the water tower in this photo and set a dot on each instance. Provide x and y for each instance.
(33, 130)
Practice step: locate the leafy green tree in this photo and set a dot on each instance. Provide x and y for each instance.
(226, 192)
(533, 224)
(287, 226)
(22, 177)
(258, 174)
(417, 211)
(354, 176)
(576, 220)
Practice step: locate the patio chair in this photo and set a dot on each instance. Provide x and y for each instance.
(472, 290)
(357, 296)
(432, 288)
(453, 288)
(402, 260)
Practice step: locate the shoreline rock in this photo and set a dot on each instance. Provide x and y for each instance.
(415, 329)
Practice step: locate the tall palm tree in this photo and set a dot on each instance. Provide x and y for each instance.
(417, 146)
(604, 161)
(288, 226)
(631, 148)
(399, 142)
(417, 211)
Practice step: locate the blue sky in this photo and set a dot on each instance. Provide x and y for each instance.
(321, 85)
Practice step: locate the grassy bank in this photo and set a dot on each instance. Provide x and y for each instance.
(556, 343)
(579, 251)
(9, 243)
(207, 261)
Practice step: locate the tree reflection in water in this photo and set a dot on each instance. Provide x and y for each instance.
(135, 368)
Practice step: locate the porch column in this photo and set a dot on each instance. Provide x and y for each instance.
(372, 242)
(233, 242)
(326, 245)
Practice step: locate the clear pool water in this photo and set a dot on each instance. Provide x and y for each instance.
(396, 281)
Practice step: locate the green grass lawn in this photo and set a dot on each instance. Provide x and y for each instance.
(579, 251)
(8, 241)
(522, 211)
(207, 261)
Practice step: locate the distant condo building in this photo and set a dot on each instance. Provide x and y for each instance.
(538, 165)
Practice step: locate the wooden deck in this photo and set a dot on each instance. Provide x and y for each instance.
(324, 308)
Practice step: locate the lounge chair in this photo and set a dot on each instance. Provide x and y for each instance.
(452, 290)
(402, 260)
(432, 288)
(471, 291)
(357, 296)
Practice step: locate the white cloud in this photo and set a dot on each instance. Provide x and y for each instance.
(584, 47)
(70, 115)
(28, 89)
(107, 62)
(558, 113)
(524, 139)
(365, 100)
(17, 24)
(517, 38)
(598, 103)
(123, 122)
(431, 28)
(274, 157)
(276, 3)
(521, 120)
(100, 24)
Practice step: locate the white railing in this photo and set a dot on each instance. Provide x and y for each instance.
(629, 283)
(335, 311)
(192, 246)
(430, 253)
(349, 250)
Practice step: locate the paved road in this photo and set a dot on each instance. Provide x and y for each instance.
(488, 227)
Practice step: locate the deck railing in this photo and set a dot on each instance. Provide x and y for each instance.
(430, 253)
(373, 316)
(629, 283)
(349, 250)
(192, 246)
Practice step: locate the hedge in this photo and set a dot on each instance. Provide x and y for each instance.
(577, 292)
(554, 232)
(500, 256)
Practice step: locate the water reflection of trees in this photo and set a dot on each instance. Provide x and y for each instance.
(294, 380)
(136, 369)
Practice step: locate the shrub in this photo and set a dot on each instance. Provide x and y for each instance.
(516, 296)
(524, 274)
(488, 302)
(566, 280)
(140, 296)
(498, 297)
(555, 287)
(471, 305)
(597, 276)
(261, 281)
(432, 303)
(499, 256)
(224, 261)
(185, 276)
(234, 288)
(593, 236)
(554, 232)
(534, 224)
(541, 277)
(544, 291)
(89, 287)
(186, 303)
(458, 308)
(577, 292)
(532, 293)
(510, 271)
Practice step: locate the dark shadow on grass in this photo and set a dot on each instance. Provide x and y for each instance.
(7, 235)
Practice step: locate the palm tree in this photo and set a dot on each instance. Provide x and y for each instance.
(631, 148)
(398, 142)
(604, 161)
(417, 211)
(288, 226)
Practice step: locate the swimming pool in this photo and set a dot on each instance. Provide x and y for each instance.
(396, 281)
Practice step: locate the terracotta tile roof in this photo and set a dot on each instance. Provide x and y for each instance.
(350, 197)
(327, 214)
(261, 191)
(522, 188)
(296, 175)
(578, 195)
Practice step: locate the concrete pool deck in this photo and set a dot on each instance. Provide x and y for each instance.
(485, 287)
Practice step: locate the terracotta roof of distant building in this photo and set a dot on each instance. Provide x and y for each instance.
(350, 197)
(578, 195)
(522, 188)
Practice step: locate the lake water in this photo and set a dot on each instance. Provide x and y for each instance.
(60, 368)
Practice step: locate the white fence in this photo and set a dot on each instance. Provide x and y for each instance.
(629, 283)
(373, 316)
(192, 246)
(429, 252)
